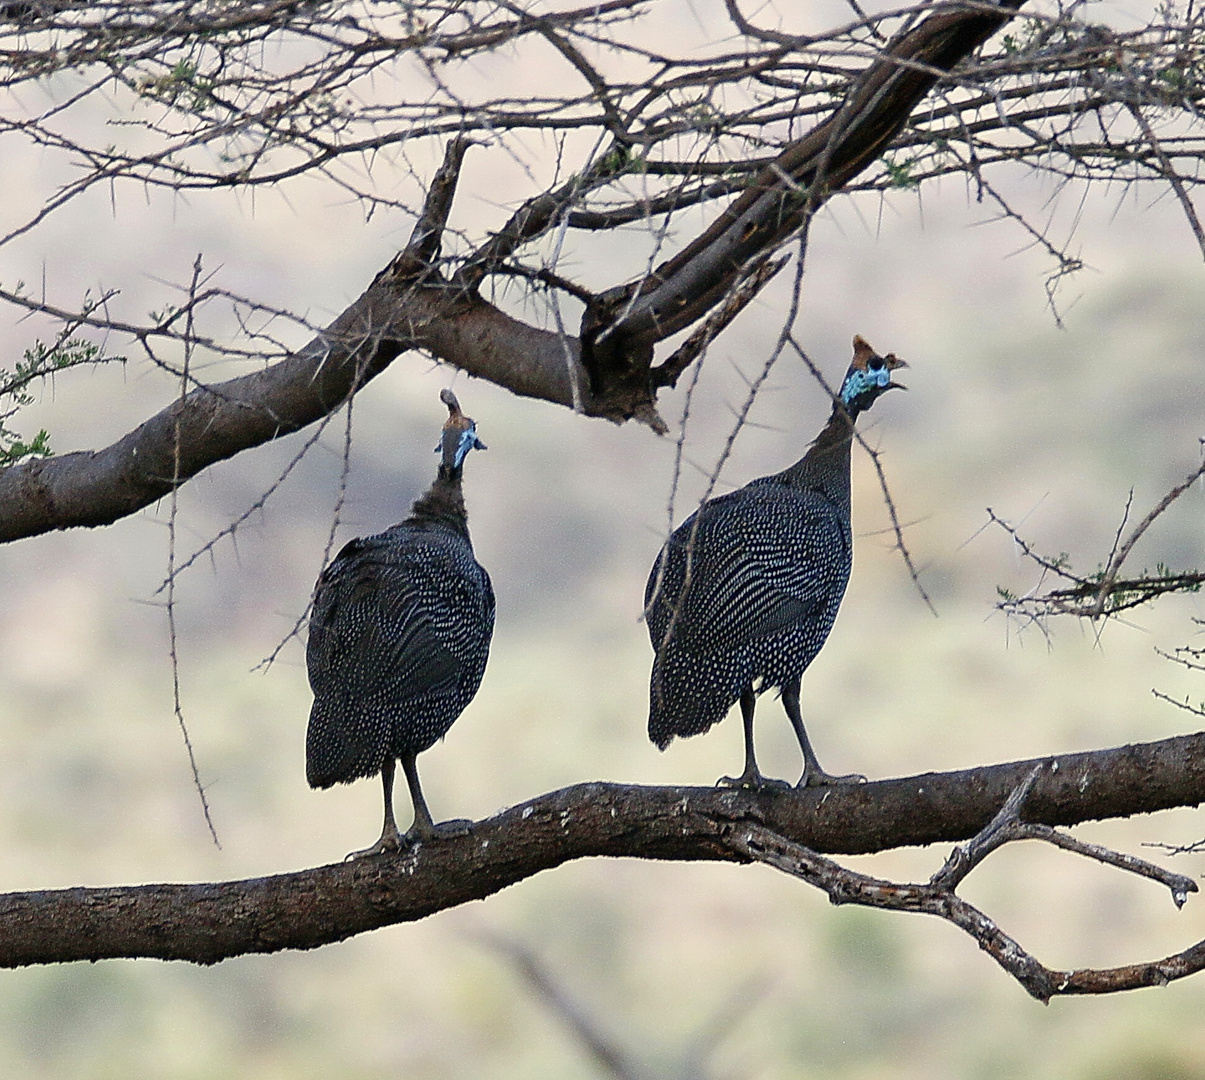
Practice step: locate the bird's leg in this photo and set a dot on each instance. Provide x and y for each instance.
(751, 777)
(424, 828)
(813, 774)
(391, 838)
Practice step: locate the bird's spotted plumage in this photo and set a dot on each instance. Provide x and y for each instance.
(744, 593)
(769, 569)
(398, 645)
(399, 638)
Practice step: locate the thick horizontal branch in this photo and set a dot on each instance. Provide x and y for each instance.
(90, 488)
(206, 923)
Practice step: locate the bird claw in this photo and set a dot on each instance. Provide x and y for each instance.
(753, 782)
(819, 778)
(395, 841)
(439, 830)
(389, 842)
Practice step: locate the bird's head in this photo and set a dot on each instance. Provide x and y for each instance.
(869, 376)
(460, 434)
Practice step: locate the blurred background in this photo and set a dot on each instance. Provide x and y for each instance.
(1051, 426)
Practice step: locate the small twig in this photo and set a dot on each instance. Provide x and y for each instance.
(332, 532)
(1179, 885)
(1186, 655)
(1029, 553)
(896, 528)
(1121, 526)
(173, 500)
(1170, 175)
(1106, 584)
(790, 41)
(1195, 848)
(1196, 710)
(232, 527)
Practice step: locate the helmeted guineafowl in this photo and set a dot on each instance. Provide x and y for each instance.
(744, 593)
(399, 637)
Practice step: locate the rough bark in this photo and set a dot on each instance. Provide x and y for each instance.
(209, 922)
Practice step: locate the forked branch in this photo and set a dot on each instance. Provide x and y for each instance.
(938, 897)
(414, 305)
(1106, 592)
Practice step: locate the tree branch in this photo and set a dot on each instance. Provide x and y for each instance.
(401, 310)
(405, 310)
(938, 897)
(620, 329)
(205, 923)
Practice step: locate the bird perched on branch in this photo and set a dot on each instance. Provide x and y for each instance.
(399, 637)
(744, 593)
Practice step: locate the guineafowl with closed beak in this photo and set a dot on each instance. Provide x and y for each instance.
(399, 637)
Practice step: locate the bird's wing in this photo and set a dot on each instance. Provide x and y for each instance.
(759, 567)
(381, 623)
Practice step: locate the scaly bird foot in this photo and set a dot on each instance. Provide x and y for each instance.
(415, 835)
(391, 840)
(440, 830)
(445, 830)
(754, 781)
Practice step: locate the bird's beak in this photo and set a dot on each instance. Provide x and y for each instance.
(894, 362)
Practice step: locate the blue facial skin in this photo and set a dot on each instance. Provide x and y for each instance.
(468, 441)
(868, 384)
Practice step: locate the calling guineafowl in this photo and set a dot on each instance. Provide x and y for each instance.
(745, 591)
(399, 638)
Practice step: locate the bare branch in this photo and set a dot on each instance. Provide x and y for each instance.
(1103, 593)
(625, 322)
(668, 372)
(206, 923)
(216, 112)
(426, 238)
(938, 897)
(1179, 885)
(964, 859)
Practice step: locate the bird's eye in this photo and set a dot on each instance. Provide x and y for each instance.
(875, 363)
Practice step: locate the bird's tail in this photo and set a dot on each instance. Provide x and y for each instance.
(338, 752)
(680, 704)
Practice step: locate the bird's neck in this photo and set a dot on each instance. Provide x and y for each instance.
(443, 503)
(825, 467)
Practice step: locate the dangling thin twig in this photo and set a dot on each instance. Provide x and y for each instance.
(171, 567)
